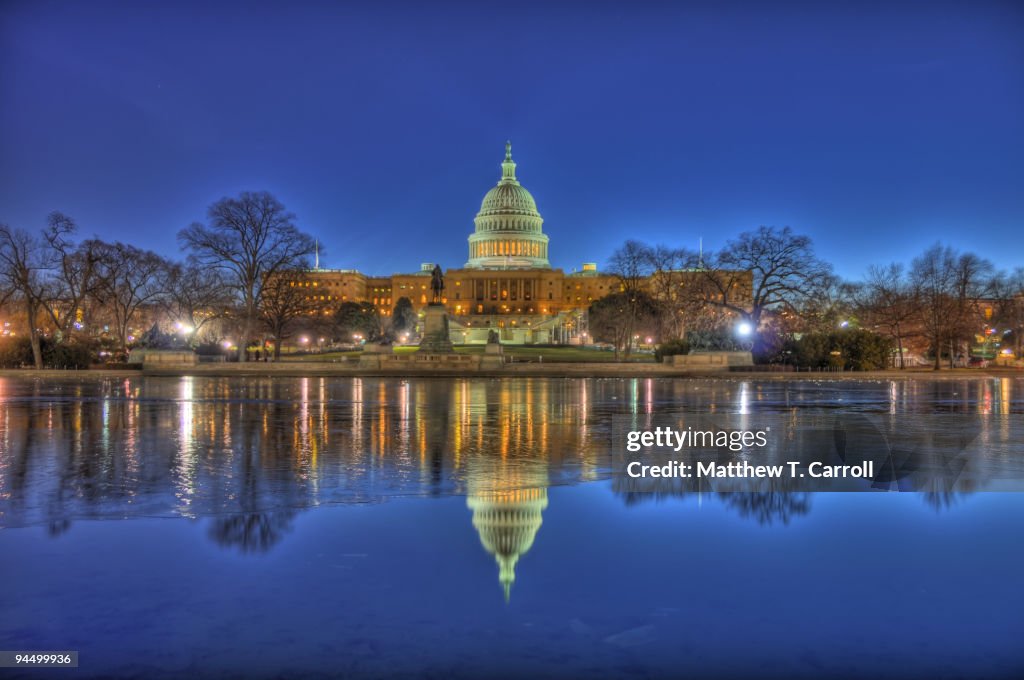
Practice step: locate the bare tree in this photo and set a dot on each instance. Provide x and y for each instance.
(974, 278)
(1008, 291)
(631, 265)
(676, 288)
(889, 301)
(249, 239)
(73, 272)
(23, 268)
(616, 318)
(286, 299)
(948, 284)
(766, 269)
(933, 274)
(195, 296)
(129, 279)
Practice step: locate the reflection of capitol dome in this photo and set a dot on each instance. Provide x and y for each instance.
(507, 522)
(508, 226)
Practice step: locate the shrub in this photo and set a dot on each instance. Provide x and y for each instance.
(720, 340)
(853, 349)
(671, 348)
(15, 352)
(74, 354)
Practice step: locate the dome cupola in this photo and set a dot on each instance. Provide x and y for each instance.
(508, 227)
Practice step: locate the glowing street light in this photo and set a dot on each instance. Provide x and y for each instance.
(744, 329)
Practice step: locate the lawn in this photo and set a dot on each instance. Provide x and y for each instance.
(516, 352)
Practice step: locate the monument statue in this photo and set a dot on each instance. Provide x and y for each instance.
(154, 338)
(436, 338)
(436, 285)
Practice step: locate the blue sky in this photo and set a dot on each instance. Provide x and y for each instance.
(876, 128)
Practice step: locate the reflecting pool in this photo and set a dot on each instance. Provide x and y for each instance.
(192, 527)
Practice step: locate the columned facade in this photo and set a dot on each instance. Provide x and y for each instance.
(507, 285)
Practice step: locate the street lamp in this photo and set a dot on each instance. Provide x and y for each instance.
(743, 329)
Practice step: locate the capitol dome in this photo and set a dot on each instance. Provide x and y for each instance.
(507, 523)
(508, 227)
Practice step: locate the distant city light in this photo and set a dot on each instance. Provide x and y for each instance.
(844, 324)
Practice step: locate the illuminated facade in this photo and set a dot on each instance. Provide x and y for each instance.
(507, 284)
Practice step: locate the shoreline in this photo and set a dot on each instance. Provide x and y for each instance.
(525, 370)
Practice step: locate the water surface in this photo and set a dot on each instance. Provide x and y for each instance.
(173, 527)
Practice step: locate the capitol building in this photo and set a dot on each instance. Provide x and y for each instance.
(507, 283)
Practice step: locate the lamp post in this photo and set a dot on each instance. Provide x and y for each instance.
(745, 332)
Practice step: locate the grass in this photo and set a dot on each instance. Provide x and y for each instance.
(517, 352)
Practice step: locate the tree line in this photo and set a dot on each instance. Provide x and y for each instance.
(244, 276)
(768, 291)
(245, 269)
(63, 289)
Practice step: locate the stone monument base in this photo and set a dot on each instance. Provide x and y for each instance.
(155, 358)
(374, 353)
(493, 357)
(710, 361)
(435, 331)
